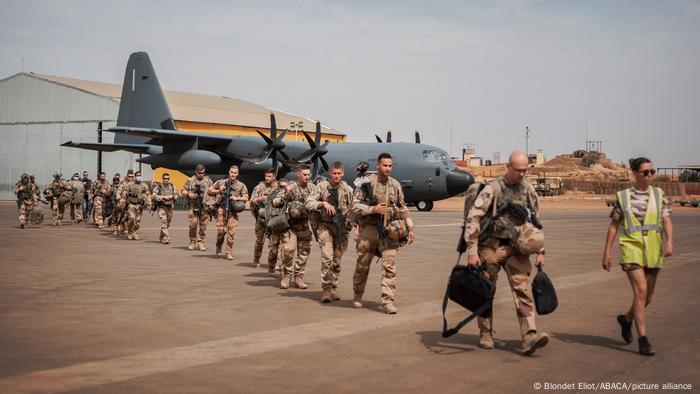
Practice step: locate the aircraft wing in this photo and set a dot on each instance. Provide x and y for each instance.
(134, 148)
(162, 134)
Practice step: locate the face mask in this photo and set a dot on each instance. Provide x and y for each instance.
(139, 179)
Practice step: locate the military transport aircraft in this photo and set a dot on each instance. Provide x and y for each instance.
(146, 126)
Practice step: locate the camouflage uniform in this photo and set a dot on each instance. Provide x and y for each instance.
(332, 242)
(496, 248)
(76, 202)
(26, 195)
(56, 191)
(198, 222)
(100, 191)
(257, 209)
(227, 222)
(136, 195)
(274, 238)
(369, 243)
(119, 209)
(298, 237)
(165, 208)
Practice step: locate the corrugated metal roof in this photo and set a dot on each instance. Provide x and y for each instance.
(200, 107)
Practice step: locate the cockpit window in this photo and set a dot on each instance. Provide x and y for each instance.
(433, 156)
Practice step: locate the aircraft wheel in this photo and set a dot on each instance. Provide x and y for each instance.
(424, 206)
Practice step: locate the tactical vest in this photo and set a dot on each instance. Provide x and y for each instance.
(133, 195)
(388, 196)
(56, 189)
(337, 198)
(100, 189)
(504, 223)
(26, 193)
(642, 243)
(236, 191)
(164, 190)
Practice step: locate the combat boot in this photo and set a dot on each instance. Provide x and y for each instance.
(229, 256)
(284, 283)
(218, 249)
(21, 225)
(326, 296)
(202, 248)
(130, 237)
(299, 282)
(388, 308)
(485, 340)
(136, 237)
(357, 302)
(334, 295)
(190, 246)
(256, 263)
(271, 271)
(166, 240)
(534, 340)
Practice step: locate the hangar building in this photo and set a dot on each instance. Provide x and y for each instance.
(40, 112)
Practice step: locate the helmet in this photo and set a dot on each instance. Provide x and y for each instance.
(397, 229)
(296, 210)
(238, 206)
(362, 166)
(530, 239)
(25, 175)
(57, 174)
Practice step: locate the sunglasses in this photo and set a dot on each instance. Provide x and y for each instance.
(647, 172)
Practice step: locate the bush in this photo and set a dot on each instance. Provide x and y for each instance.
(590, 159)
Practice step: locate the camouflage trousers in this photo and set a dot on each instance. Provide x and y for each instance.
(165, 214)
(118, 219)
(331, 255)
(57, 210)
(99, 206)
(76, 212)
(297, 239)
(273, 245)
(133, 218)
(25, 207)
(517, 268)
(226, 228)
(368, 246)
(198, 224)
(259, 241)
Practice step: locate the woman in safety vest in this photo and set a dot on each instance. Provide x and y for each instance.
(643, 217)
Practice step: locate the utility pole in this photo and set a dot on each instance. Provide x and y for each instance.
(527, 141)
(99, 153)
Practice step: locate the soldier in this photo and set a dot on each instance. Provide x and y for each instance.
(195, 190)
(232, 195)
(137, 196)
(26, 196)
(99, 192)
(274, 236)
(87, 205)
(331, 205)
(55, 193)
(384, 226)
(258, 200)
(298, 237)
(118, 216)
(77, 198)
(505, 208)
(37, 192)
(164, 196)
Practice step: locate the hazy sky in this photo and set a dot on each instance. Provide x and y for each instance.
(629, 69)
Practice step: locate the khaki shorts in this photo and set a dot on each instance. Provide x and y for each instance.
(634, 266)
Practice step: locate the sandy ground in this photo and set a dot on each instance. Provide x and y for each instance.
(81, 311)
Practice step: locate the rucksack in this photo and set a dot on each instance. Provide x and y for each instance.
(543, 293)
(276, 218)
(469, 288)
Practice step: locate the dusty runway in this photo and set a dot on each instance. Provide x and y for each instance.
(81, 311)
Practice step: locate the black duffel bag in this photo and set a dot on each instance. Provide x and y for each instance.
(543, 293)
(469, 288)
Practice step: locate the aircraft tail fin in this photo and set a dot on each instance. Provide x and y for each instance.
(143, 102)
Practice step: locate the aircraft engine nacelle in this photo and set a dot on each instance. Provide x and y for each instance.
(183, 161)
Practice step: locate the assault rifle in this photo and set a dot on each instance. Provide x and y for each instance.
(338, 219)
(228, 205)
(371, 200)
(198, 205)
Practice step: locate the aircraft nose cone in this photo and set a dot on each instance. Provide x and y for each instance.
(458, 181)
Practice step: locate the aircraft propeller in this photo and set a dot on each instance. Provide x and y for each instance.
(417, 137)
(388, 137)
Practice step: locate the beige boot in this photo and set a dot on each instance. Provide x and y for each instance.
(388, 308)
(534, 340)
(485, 340)
(218, 249)
(326, 296)
(229, 256)
(202, 247)
(357, 302)
(334, 295)
(299, 282)
(284, 283)
(136, 237)
(190, 246)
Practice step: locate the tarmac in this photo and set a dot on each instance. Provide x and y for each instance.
(81, 311)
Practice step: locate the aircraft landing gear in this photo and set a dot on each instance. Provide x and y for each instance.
(424, 206)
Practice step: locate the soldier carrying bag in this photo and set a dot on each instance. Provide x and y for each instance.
(544, 294)
(469, 288)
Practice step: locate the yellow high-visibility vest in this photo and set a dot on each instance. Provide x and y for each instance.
(642, 243)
